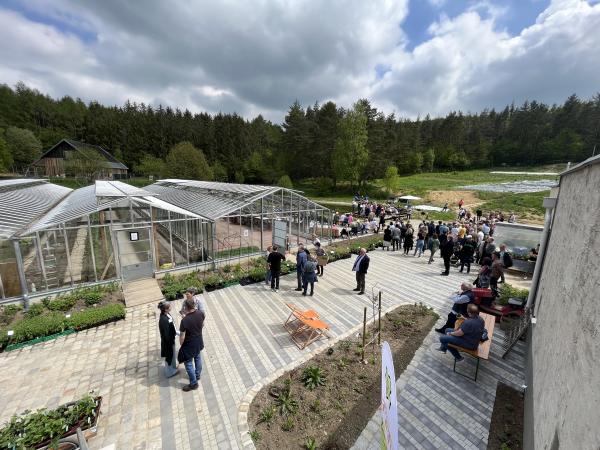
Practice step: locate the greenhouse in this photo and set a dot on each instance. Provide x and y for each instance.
(54, 238)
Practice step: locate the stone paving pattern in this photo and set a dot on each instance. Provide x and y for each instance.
(245, 342)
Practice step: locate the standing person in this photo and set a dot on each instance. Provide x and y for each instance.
(408, 239)
(166, 326)
(360, 267)
(446, 250)
(300, 261)
(274, 262)
(506, 259)
(321, 259)
(468, 335)
(434, 245)
(381, 220)
(485, 271)
(466, 254)
(396, 235)
(387, 238)
(460, 203)
(496, 273)
(309, 276)
(420, 243)
(191, 293)
(268, 276)
(191, 343)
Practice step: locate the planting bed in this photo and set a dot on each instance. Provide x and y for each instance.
(506, 429)
(68, 312)
(345, 391)
(43, 427)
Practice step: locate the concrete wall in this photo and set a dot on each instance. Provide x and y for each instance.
(563, 398)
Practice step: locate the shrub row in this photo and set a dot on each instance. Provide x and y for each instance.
(173, 286)
(54, 322)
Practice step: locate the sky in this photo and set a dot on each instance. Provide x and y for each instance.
(408, 57)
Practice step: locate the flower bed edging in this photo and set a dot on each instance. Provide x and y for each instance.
(244, 406)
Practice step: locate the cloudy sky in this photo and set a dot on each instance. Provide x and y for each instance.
(410, 57)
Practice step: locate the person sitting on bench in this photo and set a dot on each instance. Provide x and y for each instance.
(467, 336)
(460, 301)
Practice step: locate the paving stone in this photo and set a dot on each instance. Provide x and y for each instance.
(122, 362)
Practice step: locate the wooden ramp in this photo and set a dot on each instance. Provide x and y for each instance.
(139, 292)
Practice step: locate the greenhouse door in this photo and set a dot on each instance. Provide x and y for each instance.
(135, 253)
(280, 234)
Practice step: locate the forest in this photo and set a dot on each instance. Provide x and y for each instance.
(323, 141)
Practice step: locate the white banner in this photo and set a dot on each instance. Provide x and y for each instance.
(389, 408)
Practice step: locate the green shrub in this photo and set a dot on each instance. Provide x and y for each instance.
(96, 316)
(8, 313)
(507, 291)
(63, 302)
(35, 309)
(214, 280)
(266, 415)
(257, 274)
(92, 298)
(313, 377)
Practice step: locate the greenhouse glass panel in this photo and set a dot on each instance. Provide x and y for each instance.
(104, 253)
(80, 254)
(162, 245)
(10, 285)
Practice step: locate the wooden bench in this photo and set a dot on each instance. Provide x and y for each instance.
(483, 349)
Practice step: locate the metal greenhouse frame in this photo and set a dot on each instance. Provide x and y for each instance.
(54, 238)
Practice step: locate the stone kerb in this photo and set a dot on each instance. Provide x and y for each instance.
(244, 407)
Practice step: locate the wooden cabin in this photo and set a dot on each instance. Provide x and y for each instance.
(52, 162)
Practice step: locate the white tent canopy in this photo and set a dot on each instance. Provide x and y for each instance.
(409, 197)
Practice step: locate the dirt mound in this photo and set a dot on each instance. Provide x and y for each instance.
(439, 198)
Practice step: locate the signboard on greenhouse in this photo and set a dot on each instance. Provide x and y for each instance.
(389, 408)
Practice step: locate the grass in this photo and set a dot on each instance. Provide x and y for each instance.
(523, 205)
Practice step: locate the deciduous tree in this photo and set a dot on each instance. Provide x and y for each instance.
(187, 162)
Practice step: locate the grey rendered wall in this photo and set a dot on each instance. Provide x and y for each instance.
(565, 357)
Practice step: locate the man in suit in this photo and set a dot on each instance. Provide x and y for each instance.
(360, 267)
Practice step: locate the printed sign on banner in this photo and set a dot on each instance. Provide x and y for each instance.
(389, 408)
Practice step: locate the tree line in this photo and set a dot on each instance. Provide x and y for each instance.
(325, 141)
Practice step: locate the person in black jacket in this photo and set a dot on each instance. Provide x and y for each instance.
(166, 326)
(446, 250)
(360, 267)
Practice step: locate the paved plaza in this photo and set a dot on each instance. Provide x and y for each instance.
(245, 343)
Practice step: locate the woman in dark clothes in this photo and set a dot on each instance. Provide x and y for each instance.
(168, 332)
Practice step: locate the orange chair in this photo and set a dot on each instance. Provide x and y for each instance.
(291, 323)
(308, 332)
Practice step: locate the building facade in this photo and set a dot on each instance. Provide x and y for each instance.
(562, 401)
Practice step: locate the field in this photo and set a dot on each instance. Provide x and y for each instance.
(441, 187)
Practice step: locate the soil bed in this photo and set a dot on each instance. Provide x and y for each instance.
(506, 429)
(333, 415)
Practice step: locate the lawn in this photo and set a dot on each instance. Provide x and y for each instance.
(523, 205)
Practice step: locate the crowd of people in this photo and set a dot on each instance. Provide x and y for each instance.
(466, 240)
